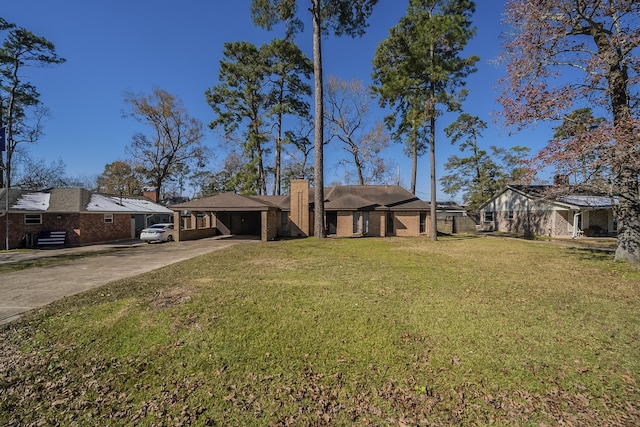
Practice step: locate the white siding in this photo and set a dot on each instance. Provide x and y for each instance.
(514, 201)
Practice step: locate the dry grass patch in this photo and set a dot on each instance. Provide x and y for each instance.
(464, 331)
(164, 298)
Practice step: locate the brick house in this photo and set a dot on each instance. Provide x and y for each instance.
(350, 211)
(85, 217)
(534, 210)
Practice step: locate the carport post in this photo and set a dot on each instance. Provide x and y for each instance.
(6, 207)
(177, 222)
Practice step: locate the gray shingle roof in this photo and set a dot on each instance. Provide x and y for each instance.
(571, 197)
(385, 197)
(348, 197)
(227, 202)
(77, 200)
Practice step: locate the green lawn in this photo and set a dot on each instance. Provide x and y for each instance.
(463, 331)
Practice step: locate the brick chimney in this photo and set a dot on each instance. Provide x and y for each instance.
(299, 204)
(150, 193)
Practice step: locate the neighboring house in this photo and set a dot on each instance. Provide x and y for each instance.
(534, 210)
(80, 216)
(377, 210)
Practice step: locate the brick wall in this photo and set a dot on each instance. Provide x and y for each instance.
(407, 224)
(194, 234)
(18, 230)
(94, 229)
(344, 227)
(80, 228)
(543, 223)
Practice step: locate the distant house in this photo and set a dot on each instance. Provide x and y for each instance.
(79, 216)
(350, 211)
(534, 210)
(453, 218)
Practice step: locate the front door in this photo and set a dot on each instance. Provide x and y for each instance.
(332, 222)
(391, 230)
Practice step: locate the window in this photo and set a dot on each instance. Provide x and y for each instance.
(365, 223)
(488, 217)
(356, 222)
(510, 215)
(108, 218)
(423, 222)
(33, 218)
(390, 223)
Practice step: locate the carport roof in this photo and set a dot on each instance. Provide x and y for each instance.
(227, 202)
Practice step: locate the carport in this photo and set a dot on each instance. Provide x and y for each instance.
(244, 223)
(227, 214)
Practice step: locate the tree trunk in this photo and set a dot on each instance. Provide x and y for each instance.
(277, 178)
(158, 184)
(628, 216)
(432, 166)
(358, 163)
(414, 158)
(277, 171)
(2, 164)
(432, 151)
(318, 163)
(628, 210)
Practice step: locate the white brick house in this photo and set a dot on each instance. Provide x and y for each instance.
(532, 210)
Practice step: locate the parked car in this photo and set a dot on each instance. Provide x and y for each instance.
(157, 233)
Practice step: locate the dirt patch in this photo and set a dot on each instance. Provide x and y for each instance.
(170, 297)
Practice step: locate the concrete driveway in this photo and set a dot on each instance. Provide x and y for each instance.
(35, 287)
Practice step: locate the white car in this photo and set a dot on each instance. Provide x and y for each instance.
(157, 233)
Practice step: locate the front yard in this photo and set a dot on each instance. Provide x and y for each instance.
(394, 331)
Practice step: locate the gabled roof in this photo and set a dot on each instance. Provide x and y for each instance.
(281, 202)
(379, 197)
(77, 200)
(348, 197)
(577, 197)
(348, 202)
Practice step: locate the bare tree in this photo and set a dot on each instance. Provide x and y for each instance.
(176, 137)
(348, 109)
(300, 148)
(37, 174)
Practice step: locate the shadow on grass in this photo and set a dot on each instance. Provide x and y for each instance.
(50, 260)
(456, 236)
(592, 254)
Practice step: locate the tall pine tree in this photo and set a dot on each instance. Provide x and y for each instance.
(418, 71)
(338, 17)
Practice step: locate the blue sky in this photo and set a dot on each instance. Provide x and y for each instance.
(113, 47)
